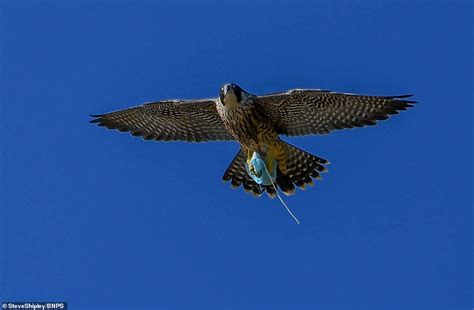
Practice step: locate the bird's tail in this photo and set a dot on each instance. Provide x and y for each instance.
(295, 167)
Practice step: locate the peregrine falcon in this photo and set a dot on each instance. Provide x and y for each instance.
(256, 123)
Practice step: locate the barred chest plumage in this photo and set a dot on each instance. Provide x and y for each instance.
(246, 124)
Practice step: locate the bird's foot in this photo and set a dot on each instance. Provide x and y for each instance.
(253, 170)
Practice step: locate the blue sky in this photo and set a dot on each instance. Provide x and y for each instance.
(107, 221)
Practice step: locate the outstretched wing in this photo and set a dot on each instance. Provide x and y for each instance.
(170, 120)
(302, 112)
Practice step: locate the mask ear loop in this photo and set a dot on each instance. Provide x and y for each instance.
(278, 194)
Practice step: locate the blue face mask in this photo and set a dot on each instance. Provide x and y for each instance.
(264, 173)
(259, 173)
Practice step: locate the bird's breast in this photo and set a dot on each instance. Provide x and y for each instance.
(247, 126)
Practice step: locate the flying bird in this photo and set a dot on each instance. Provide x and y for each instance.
(256, 123)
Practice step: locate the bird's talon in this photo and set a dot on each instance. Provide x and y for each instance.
(253, 171)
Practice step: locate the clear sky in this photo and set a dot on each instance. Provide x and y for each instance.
(104, 220)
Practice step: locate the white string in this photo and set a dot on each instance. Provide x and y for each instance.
(278, 194)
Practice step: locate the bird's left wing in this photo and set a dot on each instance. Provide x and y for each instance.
(304, 111)
(170, 120)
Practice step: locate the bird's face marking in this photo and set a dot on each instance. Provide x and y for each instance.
(231, 95)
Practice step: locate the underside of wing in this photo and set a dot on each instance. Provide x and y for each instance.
(171, 120)
(304, 112)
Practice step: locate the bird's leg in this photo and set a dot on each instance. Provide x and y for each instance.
(269, 162)
(249, 156)
(277, 152)
(267, 155)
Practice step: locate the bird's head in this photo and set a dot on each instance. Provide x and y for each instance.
(231, 95)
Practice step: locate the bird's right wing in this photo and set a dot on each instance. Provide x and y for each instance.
(170, 120)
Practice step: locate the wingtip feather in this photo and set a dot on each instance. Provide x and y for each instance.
(96, 118)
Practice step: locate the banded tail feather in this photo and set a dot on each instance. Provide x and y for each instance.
(300, 169)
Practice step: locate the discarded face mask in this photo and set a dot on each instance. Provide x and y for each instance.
(263, 172)
(260, 174)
